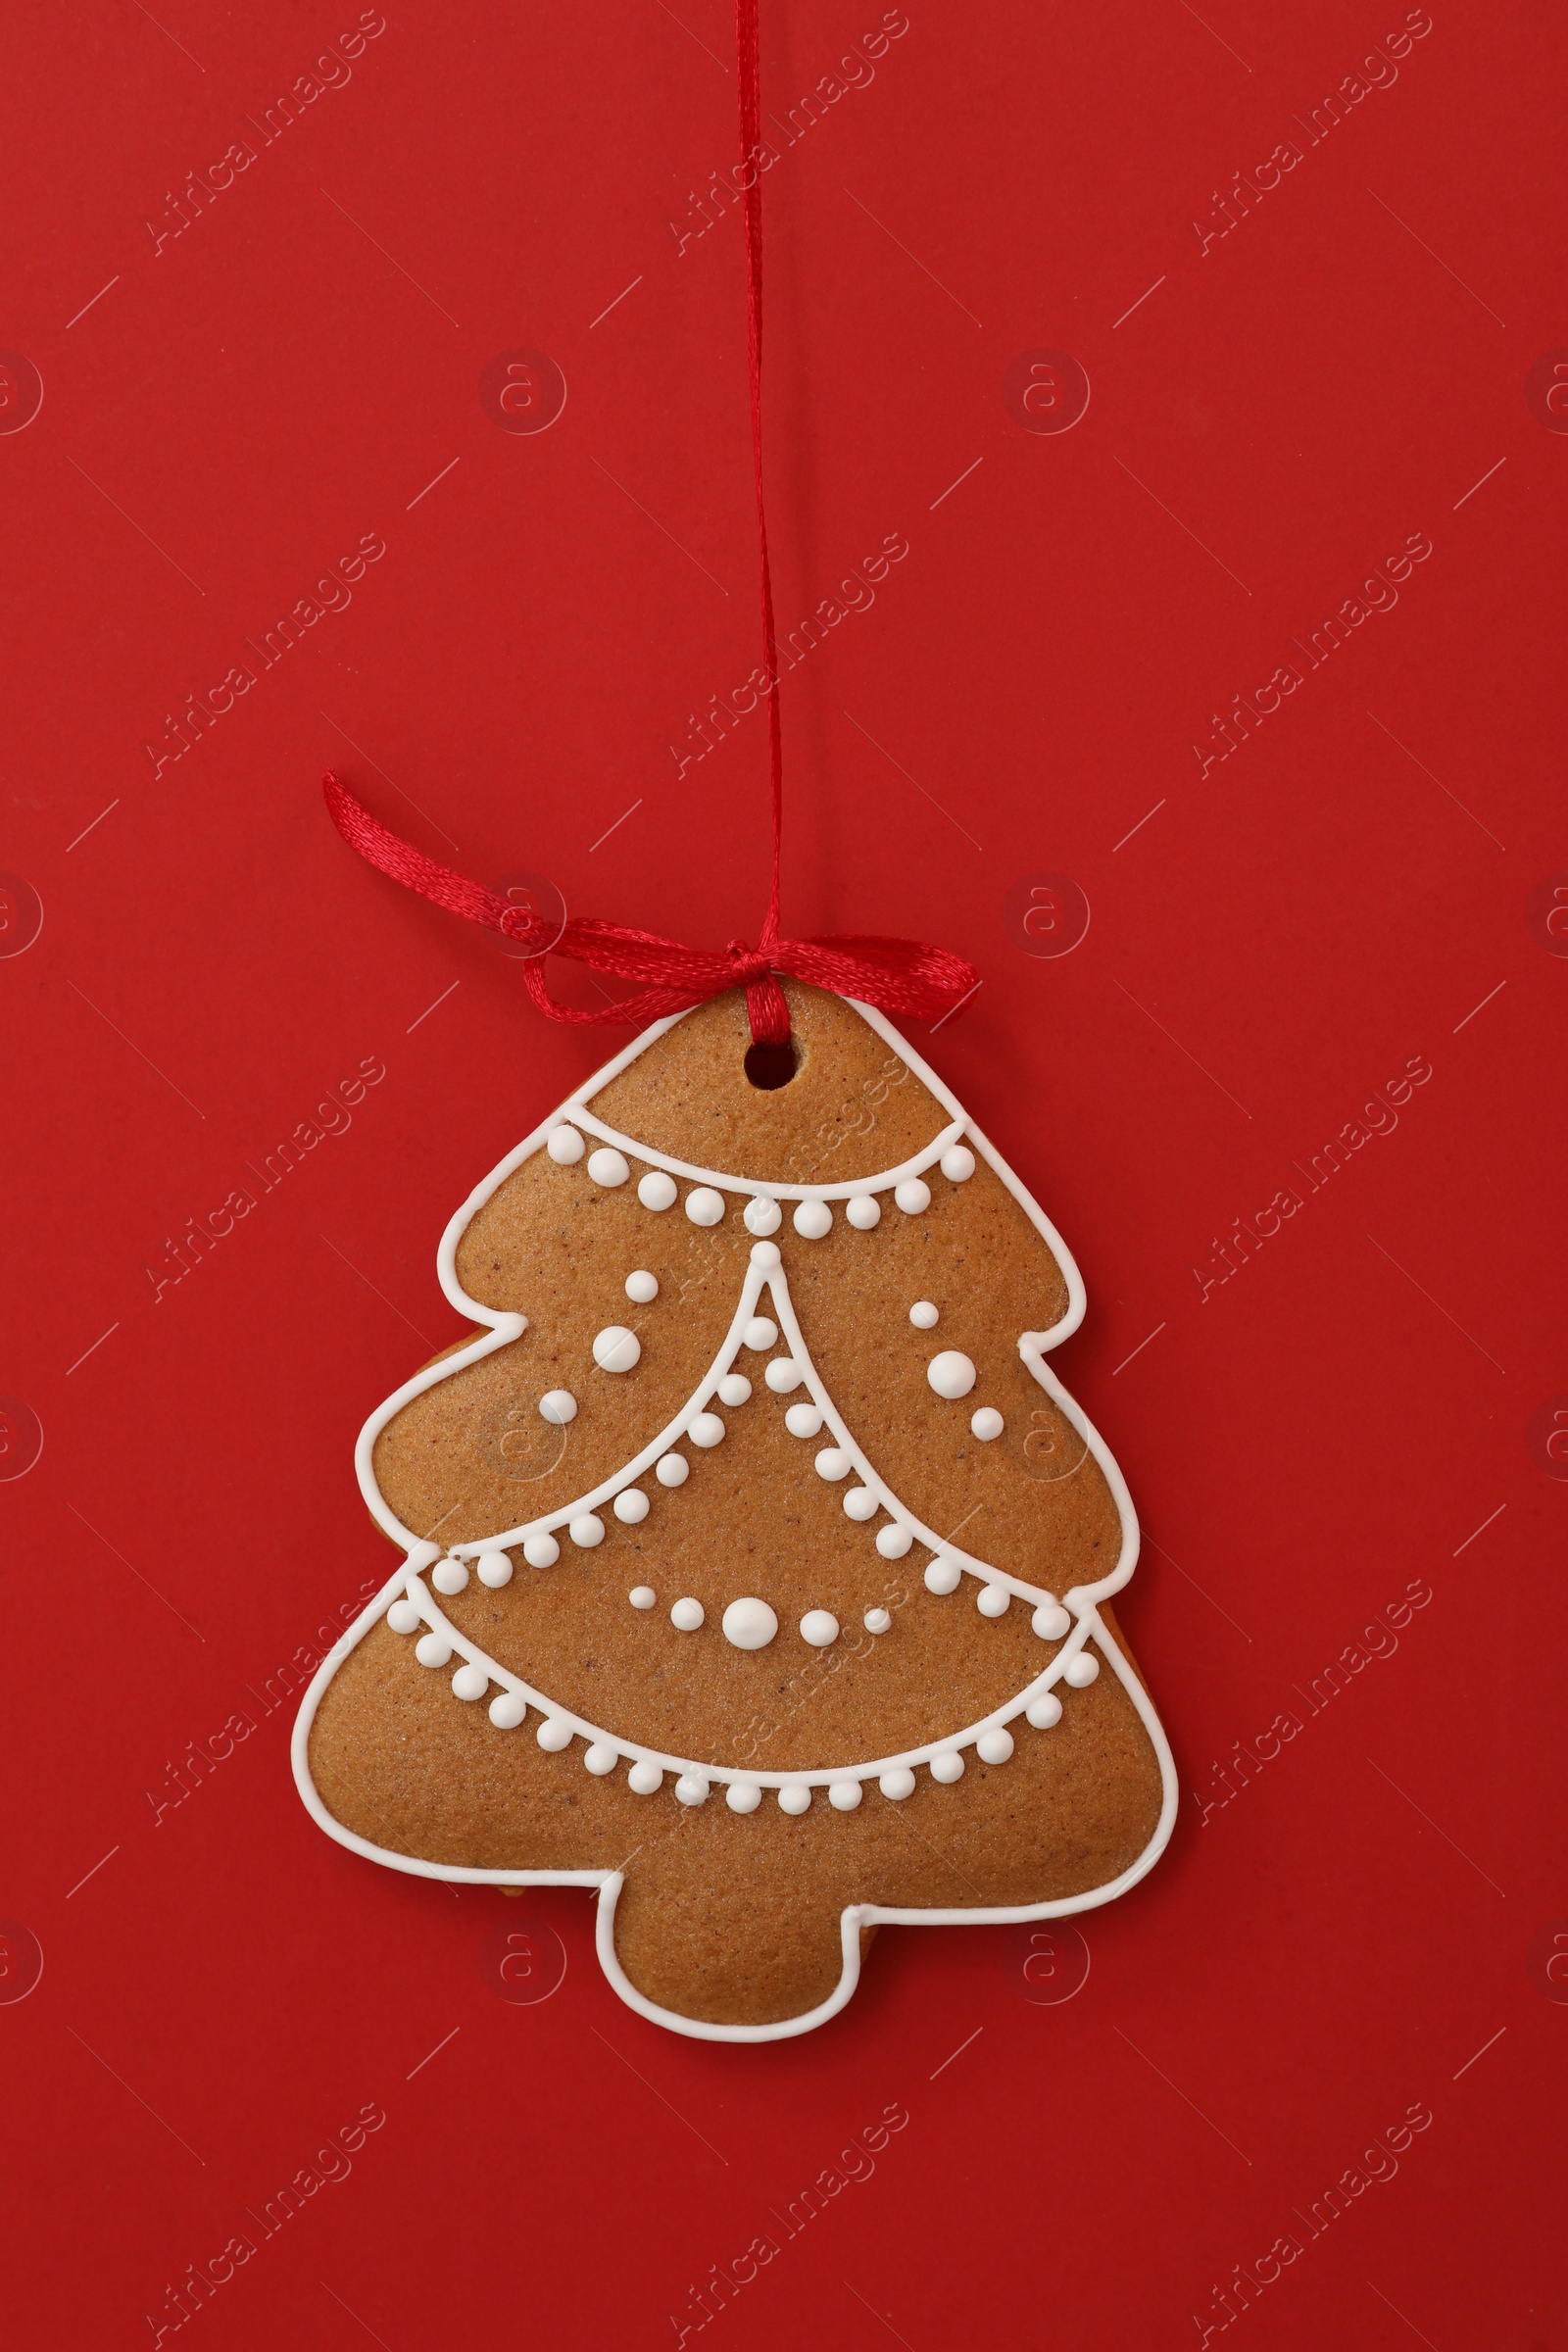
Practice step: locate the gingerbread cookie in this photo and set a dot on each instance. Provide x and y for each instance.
(755, 1566)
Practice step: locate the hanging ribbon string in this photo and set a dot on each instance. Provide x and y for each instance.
(896, 976)
(749, 86)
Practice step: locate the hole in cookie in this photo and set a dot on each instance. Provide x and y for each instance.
(770, 1066)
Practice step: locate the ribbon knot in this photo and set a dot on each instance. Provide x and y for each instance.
(766, 1006)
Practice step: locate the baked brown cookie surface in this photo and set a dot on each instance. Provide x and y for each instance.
(755, 1566)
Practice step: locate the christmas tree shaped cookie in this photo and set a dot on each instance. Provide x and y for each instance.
(754, 1567)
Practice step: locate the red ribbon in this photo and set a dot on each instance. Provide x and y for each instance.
(896, 976)
(748, 85)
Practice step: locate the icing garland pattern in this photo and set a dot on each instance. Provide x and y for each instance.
(750, 1623)
(955, 1158)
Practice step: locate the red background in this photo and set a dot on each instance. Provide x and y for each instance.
(229, 414)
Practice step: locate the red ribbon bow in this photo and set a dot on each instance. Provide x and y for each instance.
(896, 976)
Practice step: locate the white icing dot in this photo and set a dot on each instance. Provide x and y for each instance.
(750, 1623)
(947, 1767)
(1050, 1621)
(993, 1600)
(706, 1431)
(766, 1255)
(705, 1206)
(616, 1349)
(451, 1576)
(403, 1616)
(861, 1503)
(494, 1569)
(1044, 1711)
(941, 1576)
(469, 1682)
(819, 1627)
(557, 1406)
(987, 1424)
(646, 1779)
(844, 1796)
(686, 1616)
(760, 1332)
(950, 1374)
(553, 1734)
(794, 1799)
(897, 1783)
(734, 1388)
(642, 1597)
(631, 1506)
(1081, 1670)
(692, 1788)
(743, 1796)
(541, 1551)
(657, 1190)
(783, 1374)
(893, 1542)
(673, 1470)
(812, 1219)
(507, 1710)
(564, 1145)
(833, 1462)
(803, 1421)
(606, 1167)
(994, 1747)
(864, 1211)
(912, 1196)
(601, 1759)
(587, 1531)
(642, 1288)
(763, 1217)
(877, 1621)
(432, 1650)
(924, 1316)
(957, 1163)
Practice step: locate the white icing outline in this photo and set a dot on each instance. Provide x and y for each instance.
(504, 1327)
